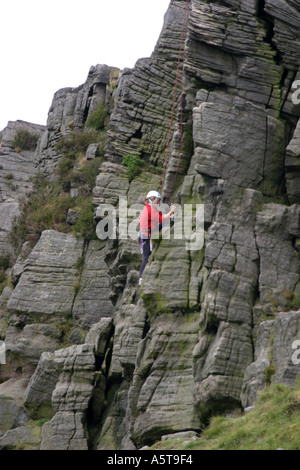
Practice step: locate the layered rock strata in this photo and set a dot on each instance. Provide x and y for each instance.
(17, 167)
(70, 110)
(210, 327)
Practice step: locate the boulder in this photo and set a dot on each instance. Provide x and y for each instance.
(22, 438)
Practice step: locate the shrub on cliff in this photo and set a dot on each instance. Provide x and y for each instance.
(85, 225)
(97, 118)
(77, 143)
(24, 140)
(47, 205)
(73, 167)
(45, 208)
(4, 261)
(134, 165)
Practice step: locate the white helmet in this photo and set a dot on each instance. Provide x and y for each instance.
(153, 194)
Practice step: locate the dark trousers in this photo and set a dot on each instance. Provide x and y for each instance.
(146, 250)
(146, 254)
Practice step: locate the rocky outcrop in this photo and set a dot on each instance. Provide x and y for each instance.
(274, 350)
(17, 167)
(113, 366)
(80, 368)
(69, 111)
(56, 299)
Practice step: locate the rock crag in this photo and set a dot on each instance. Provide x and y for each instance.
(106, 364)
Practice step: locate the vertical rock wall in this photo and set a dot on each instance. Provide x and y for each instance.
(210, 327)
(17, 167)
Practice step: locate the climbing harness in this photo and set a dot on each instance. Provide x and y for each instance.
(183, 37)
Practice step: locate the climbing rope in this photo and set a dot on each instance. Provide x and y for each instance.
(183, 37)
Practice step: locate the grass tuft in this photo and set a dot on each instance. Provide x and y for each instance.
(272, 424)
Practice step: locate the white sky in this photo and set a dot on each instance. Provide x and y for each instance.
(48, 45)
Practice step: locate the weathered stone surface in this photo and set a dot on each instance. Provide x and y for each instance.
(130, 322)
(286, 363)
(72, 216)
(98, 337)
(75, 384)
(17, 167)
(141, 118)
(161, 290)
(179, 435)
(53, 384)
(92, 151)
(112, 429)
(286, 24)
(156, 392)
(92, 301)
(57, 299)
(5, 296)
(219, 367)
(49, 276)
(112, 183)
(292, 163)
(279, 263)
(62, 388)
(226, 47)
(12, 412)
(260, 164)
(206, 330)
(161, 395)
(22, 438)
(64, 432)
(69, 111)
(274, 355)
(38, 394)
(29, 342)
(130, 326)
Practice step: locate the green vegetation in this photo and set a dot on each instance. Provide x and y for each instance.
(2, 281)
(73, 149)
(272, 424)
(77, 143)
(85, 225)
(97, 118)
(188, 142)
(47, 205)
(24, 140)
(37, 422)
(45, 208)
(293, 302)
(86, 174)
(134, 165)
(5, 263)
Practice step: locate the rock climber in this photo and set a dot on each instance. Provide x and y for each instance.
(151, 219)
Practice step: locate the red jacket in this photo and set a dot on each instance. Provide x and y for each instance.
(150, 218)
